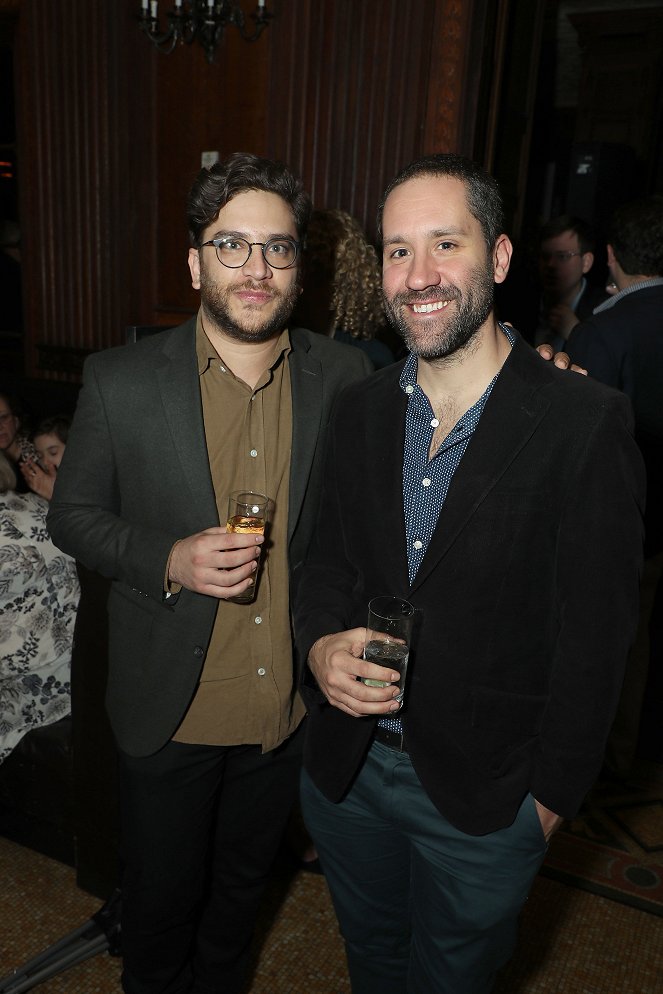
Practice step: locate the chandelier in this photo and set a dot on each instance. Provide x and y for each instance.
(204, 20)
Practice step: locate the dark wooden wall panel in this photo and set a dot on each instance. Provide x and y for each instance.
(111, 133)
(79, 89)
(200, 107)
(368, 87)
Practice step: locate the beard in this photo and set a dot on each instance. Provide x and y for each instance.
(216, 302)
(445, 335)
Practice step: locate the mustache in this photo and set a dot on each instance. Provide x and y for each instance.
(257, 287)
(429, 295)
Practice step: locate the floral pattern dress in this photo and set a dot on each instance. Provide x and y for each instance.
(38, 601)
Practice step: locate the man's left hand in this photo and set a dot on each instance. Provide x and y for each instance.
(561, 359)
(550, 822)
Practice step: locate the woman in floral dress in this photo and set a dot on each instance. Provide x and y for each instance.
(38, 601)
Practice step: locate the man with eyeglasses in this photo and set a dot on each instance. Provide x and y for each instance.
(566, 255)
(201, 689)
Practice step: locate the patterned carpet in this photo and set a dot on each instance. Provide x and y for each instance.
(572, 941)
(615, 846)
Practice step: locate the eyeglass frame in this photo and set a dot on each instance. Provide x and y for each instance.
(216, 242)
(562, 255)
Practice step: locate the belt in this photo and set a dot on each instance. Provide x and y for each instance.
(385, 736)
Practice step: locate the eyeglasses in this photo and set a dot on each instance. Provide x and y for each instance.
(557, 256)
(278, 253)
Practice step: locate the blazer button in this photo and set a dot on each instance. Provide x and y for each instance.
(198, 651)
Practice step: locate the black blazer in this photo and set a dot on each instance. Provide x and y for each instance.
(528, 592)
(623, 347)
(135, 477)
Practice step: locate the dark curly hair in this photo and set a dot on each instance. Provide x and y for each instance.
(636, 235)
(213, 188)
(58, 425)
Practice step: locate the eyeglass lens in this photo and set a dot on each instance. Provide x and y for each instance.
(278, 253)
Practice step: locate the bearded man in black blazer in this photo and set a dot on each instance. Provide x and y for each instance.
(202, 691)
(502, 498)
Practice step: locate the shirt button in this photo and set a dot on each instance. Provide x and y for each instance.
(253, 453)
(434, 423)
(222, 368)
(262, 671)
(418, 544)
(409, 388)
(426, 482)
(258, 620)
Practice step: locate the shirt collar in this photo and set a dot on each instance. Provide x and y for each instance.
(206, 353)
(633, 288)
(408, 378)
(576, 299)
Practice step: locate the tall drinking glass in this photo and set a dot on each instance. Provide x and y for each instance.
(247, 515)
(388, 638)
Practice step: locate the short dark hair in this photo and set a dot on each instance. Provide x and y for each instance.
(636, 235)
(213, 188)
(484, 198)
(568, 222)
(58, 425)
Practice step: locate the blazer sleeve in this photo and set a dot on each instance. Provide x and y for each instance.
(598, 564)
(86, 518)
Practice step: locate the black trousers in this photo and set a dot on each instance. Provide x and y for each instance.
(200, 827)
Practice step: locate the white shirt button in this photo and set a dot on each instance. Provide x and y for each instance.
(262, 671)
(222, 368)
(418, 544)
(253, 453)
(434, 423)
(409, 388)
(258, 620)
(426, 482)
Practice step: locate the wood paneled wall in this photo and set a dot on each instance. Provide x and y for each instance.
(360, 89)
(111, 133)
(79, 175)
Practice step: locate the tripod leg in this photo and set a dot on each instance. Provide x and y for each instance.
(25, 981)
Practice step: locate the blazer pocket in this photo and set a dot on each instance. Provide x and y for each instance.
(504, 726)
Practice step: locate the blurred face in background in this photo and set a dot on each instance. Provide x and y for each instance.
(562, 266)
(49, 450)
(9, 425)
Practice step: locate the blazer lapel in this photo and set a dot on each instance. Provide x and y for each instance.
(306, 389)
(182, 411)
(383, 452)
(512, 414)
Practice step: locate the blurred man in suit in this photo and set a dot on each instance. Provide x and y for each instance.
(622, 345)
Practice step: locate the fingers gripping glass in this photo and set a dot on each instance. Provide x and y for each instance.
(278, 253)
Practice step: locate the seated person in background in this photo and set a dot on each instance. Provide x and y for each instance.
(342, 295)
(14, 441)
(566, 255)
(38, 601)
(49, 441)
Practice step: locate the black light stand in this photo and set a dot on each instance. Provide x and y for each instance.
(99, 934)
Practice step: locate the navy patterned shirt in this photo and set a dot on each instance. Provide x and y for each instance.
(426, 481)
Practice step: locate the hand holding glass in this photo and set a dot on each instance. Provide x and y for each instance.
(247, 515)
(388, 638)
